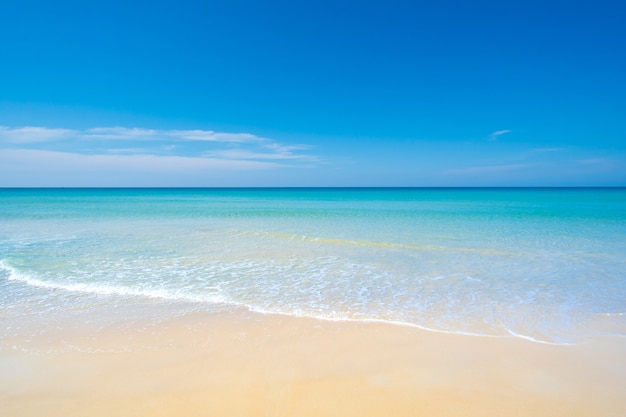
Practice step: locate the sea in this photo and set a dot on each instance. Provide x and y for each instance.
(543, 264)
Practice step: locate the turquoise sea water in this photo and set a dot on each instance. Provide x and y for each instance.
(544, 264)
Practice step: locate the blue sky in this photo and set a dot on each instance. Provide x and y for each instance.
(312, 93)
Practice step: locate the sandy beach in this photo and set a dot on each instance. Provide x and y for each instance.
(312, 209)
(245, 364)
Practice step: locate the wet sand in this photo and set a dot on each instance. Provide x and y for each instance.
(245, 364)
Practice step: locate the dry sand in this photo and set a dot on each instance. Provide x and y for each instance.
(246, 364)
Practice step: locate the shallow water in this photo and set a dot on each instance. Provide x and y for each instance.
(543, 264)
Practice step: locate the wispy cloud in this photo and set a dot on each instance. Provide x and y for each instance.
(498, 133)
(204, 144)
(248, 155)
(30, 134)
(39, 134)
(118, 133)
(27, 167)
(211, 136)
(69, 161)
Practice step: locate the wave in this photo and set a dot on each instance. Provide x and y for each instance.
(96, 289)
(182, 296)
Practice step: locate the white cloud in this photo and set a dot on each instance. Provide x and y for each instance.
(70, 160)
(129, 151)
(31, 134)
(41, 156)
(119, 132)
(40, 134)
(265, 150)
(209, 135)
(42, 168)
(134, 140)
(286, 148)
(497, 133)
(249, 155)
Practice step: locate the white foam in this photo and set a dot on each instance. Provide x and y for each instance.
(94, 289)
(530, 338)
(297, 303)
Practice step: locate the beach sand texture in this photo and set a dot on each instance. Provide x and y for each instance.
(246, 364)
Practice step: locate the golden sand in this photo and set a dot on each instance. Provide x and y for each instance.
(245, 364)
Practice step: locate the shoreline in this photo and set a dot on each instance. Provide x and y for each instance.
(600, 322)
(243, 363)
